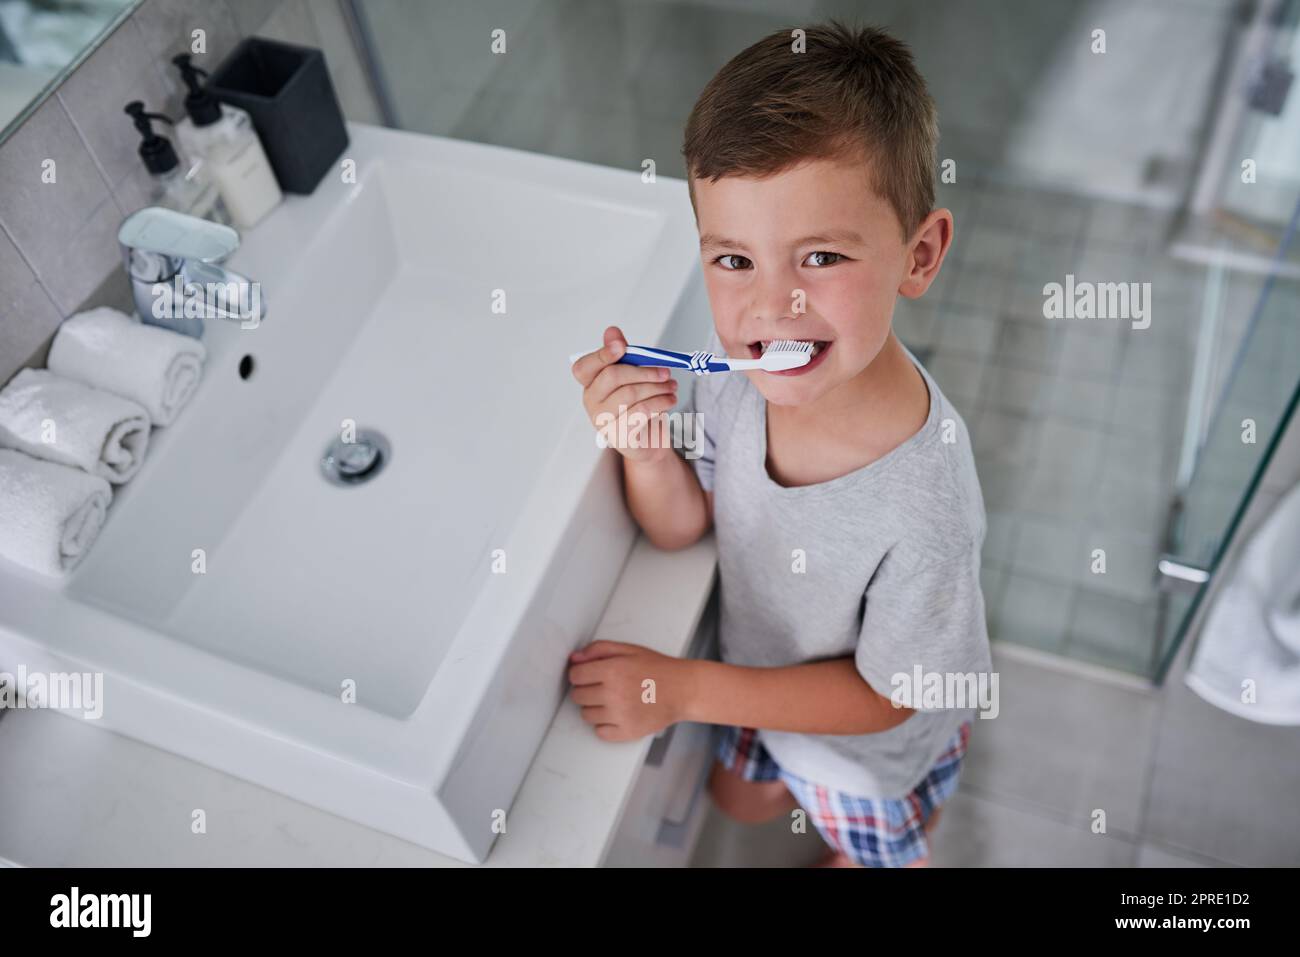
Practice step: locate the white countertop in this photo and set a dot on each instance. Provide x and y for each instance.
(74, 795)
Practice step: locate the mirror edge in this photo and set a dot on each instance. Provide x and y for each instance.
(128, 9)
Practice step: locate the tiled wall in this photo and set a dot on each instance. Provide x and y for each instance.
(58, 245)
(1018, 88)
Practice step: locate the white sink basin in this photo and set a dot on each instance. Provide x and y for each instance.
(380, 311)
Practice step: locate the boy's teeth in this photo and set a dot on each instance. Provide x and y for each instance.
(817, 346)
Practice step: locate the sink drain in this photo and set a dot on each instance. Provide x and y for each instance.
(351, 463)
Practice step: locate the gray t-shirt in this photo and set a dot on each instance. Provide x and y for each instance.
(882, 564)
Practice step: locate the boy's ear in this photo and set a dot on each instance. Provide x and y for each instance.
(930, 244)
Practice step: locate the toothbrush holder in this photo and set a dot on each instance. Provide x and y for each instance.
(286, 89)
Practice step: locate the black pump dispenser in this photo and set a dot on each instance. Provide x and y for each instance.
(203, 108)
(155, 150)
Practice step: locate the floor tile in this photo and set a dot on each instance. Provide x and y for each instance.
(999, 538)
(1035, 344)
(1080, 399)
(1059, 490)
(1091, 351)
(1034, 612)
(968, 333)
(976, 832)
(1222, 786)
(979, 289)
(1113, 631)
(1005, 437)
(1065, 745)
(1015, 389)
(727, 843)
(1051, 550)
(1154, 855)
(958, 376)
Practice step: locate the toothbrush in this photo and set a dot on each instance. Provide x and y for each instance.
(780, 354)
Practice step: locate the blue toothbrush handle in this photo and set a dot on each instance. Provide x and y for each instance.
(700, 363)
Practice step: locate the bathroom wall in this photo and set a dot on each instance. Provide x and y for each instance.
(1019, 90)
(58, 245)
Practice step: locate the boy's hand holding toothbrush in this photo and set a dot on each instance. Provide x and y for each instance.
(621, 399)
(626, 387)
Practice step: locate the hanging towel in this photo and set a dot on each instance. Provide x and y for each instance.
(112, 351)
(50, 514)
(1252, 632)
(50, 417)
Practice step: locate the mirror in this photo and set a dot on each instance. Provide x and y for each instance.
(41, 42)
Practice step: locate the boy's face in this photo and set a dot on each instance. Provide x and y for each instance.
(810, 253)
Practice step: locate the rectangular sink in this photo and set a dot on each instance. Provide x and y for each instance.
(237, 602)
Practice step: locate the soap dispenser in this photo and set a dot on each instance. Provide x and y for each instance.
(223, 135)
(176, 186)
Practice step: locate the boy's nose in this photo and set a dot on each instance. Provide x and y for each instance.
(779, 299)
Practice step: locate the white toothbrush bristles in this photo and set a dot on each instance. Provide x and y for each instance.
(782, 354)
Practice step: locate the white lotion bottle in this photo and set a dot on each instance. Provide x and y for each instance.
(223, 135)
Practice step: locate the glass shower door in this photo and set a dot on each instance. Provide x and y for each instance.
(1257, 404)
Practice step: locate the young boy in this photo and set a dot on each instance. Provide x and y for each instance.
(848, 514)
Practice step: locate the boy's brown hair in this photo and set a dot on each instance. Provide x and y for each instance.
(854, 91)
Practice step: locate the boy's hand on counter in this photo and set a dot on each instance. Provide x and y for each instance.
(628, 691)
(622, 400)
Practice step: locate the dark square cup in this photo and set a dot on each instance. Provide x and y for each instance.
(286, 89)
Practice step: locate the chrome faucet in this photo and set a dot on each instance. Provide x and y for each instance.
(175, 280)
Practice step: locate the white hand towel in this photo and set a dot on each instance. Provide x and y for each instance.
(1252, 631)
(50, 417)
(115, 352)
(50, 514)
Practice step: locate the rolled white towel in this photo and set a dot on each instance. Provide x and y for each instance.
(50, 417)
(50, 514)
(112, 351)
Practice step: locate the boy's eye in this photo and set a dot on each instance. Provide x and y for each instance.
(830, 260)
(731, 261)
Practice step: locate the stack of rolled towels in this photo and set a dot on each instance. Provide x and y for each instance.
(68, 431)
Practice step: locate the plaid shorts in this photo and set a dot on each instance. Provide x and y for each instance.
(873, 832)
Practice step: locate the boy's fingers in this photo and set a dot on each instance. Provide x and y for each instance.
(615, 343)
(588, 367)
(655, 403)
(605, 649)
(633, 392)
(614, 347)
(587, 695)
(614, 377)
(586, 673)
